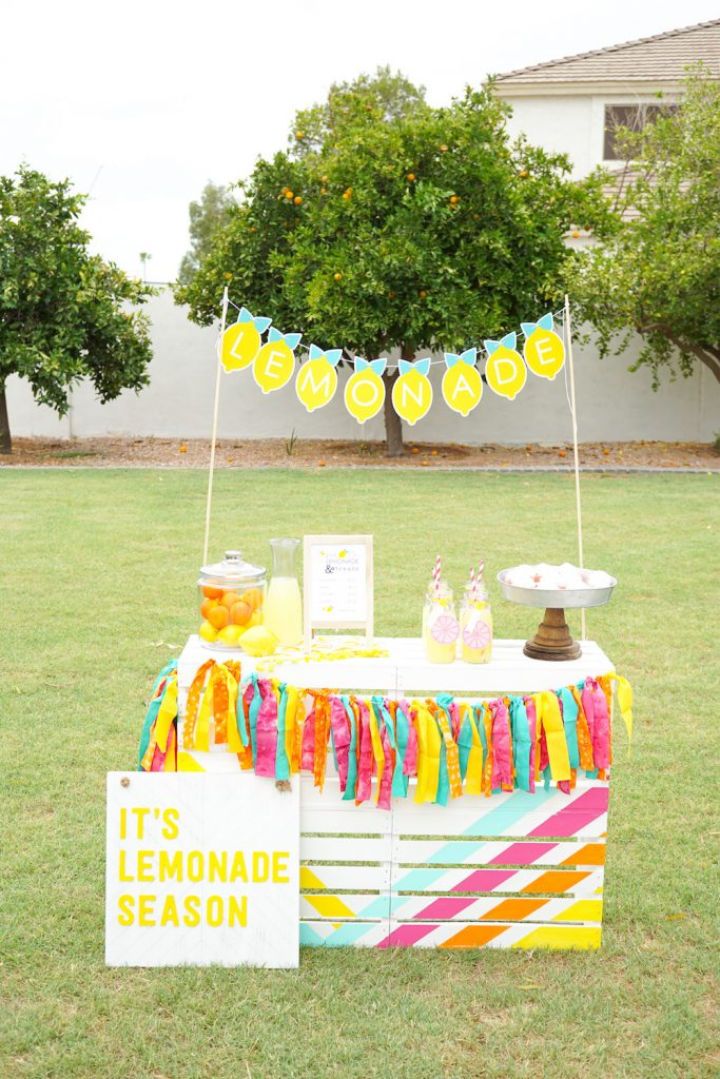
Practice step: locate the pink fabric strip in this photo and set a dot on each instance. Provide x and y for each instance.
(601, 731)
(341, 738)
(583, 811)
(411, 753)
(365, 757)
(502, 755)
(532, 727)
(387, 776)
(266, 731)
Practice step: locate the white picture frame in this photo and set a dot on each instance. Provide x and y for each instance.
(338, 584)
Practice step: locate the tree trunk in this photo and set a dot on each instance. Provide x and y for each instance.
(5, 437)
(393, 423)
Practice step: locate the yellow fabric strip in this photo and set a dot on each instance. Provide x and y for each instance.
(291, 707)
(428, 763)
(202, 727)
(555, 737)
(625, 700)
(473, 776)
(378, 752)
(167, 712)
(233, 734)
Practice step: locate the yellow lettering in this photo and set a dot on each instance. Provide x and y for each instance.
(195, 866)
(217, 865)
(280, 867)
(171, 819)
(146, 905)
(170, 866)
(214, 911)
(170, 912)
(238, 870)
(144, 866)
(261, 866)
(237, 913)
(123, 823)
(192, 910)
(126, 915)
(123, 874)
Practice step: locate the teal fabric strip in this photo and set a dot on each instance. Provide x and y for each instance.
(282, 764)
(241, 725)
(402, 733)
(480, 724)
(465, 742)
(570, 717)
(253, 714)
(521, 742)
(350, 789)
(443, 789)
(153, 709)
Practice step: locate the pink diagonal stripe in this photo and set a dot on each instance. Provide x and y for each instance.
(444, 908)
(483, 880)
(583, 811)
(521, 853)
(406, 935)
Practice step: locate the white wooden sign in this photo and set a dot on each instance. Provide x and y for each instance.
(201, 869)
(338, 583)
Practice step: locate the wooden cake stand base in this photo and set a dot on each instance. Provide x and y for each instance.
(552, 640)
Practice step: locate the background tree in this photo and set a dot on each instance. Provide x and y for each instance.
(207, 215)
(393, 225)
(659, 276)
(64, 313)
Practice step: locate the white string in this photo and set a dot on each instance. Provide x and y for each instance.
(216, 407)
(573, 413)
(433, 363)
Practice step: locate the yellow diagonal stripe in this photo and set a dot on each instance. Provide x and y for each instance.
(328, 906)
(585, 910)
(562, 937)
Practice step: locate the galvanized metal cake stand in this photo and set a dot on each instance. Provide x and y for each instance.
(552, 640)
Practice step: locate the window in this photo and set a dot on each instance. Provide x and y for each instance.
(632, 117)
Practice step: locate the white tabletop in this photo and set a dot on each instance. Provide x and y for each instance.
(406, 670)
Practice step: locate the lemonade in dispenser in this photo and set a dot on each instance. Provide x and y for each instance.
(440, 628)
(232, 600)
(476, 628)
(283, 610)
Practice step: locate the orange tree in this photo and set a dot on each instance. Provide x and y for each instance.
(390, 224)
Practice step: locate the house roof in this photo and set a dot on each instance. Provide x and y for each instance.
(662, 58)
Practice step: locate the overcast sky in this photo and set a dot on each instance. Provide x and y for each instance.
(141, 103)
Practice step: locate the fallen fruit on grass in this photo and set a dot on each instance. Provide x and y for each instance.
(258, 641)
(207, 632)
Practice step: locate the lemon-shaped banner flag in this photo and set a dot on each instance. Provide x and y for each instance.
(317, 379)
(365, 389)
(275, 362)
(505, 371)
(241, 342)
(462, 385)
(544, 349)
(412, 392)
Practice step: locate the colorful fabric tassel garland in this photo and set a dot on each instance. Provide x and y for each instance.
(450, 746)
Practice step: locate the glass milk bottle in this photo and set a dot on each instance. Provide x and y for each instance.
(476, 627)
(440, 626)
(283, 606)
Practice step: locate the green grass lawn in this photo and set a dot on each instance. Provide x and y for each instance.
(98, 577)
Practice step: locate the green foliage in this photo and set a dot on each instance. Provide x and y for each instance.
(207, 216)
(660, 274)
(393, 224)
(64, 313)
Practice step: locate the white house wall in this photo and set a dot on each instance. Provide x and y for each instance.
(613, 405)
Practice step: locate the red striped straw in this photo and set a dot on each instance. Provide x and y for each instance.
(480, 571)
(472, 583)
(437, 568)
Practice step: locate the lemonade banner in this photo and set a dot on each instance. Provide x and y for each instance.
(274, 364)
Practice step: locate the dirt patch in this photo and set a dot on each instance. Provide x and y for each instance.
(312, 453)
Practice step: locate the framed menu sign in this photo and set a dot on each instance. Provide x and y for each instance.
(338, 583)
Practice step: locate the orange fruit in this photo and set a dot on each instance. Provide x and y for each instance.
(219, 616)
(443, 148)
(228, 598)
(411, 176)
(212, 593)
(288, 193)
(297, 200)
(206, 606)
(454, 200)
(337, 276)
(240, 613)
(422, 294)
(253, 597)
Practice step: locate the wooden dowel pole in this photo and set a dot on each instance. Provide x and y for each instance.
(216, 408)
(576, 458)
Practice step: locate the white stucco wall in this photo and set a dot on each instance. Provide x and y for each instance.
(613, 405)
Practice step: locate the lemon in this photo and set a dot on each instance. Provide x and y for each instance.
(230, 635)
(258, 641)
(207, 632)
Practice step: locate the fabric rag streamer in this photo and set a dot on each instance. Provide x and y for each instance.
(449, 746)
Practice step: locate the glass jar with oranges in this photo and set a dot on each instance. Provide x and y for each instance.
(232, 600)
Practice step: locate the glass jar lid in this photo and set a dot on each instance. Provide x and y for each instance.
(232, 568)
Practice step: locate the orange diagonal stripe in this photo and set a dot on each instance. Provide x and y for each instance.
(474, 936)
(590, 854)
(555, 882)
(513, 910)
